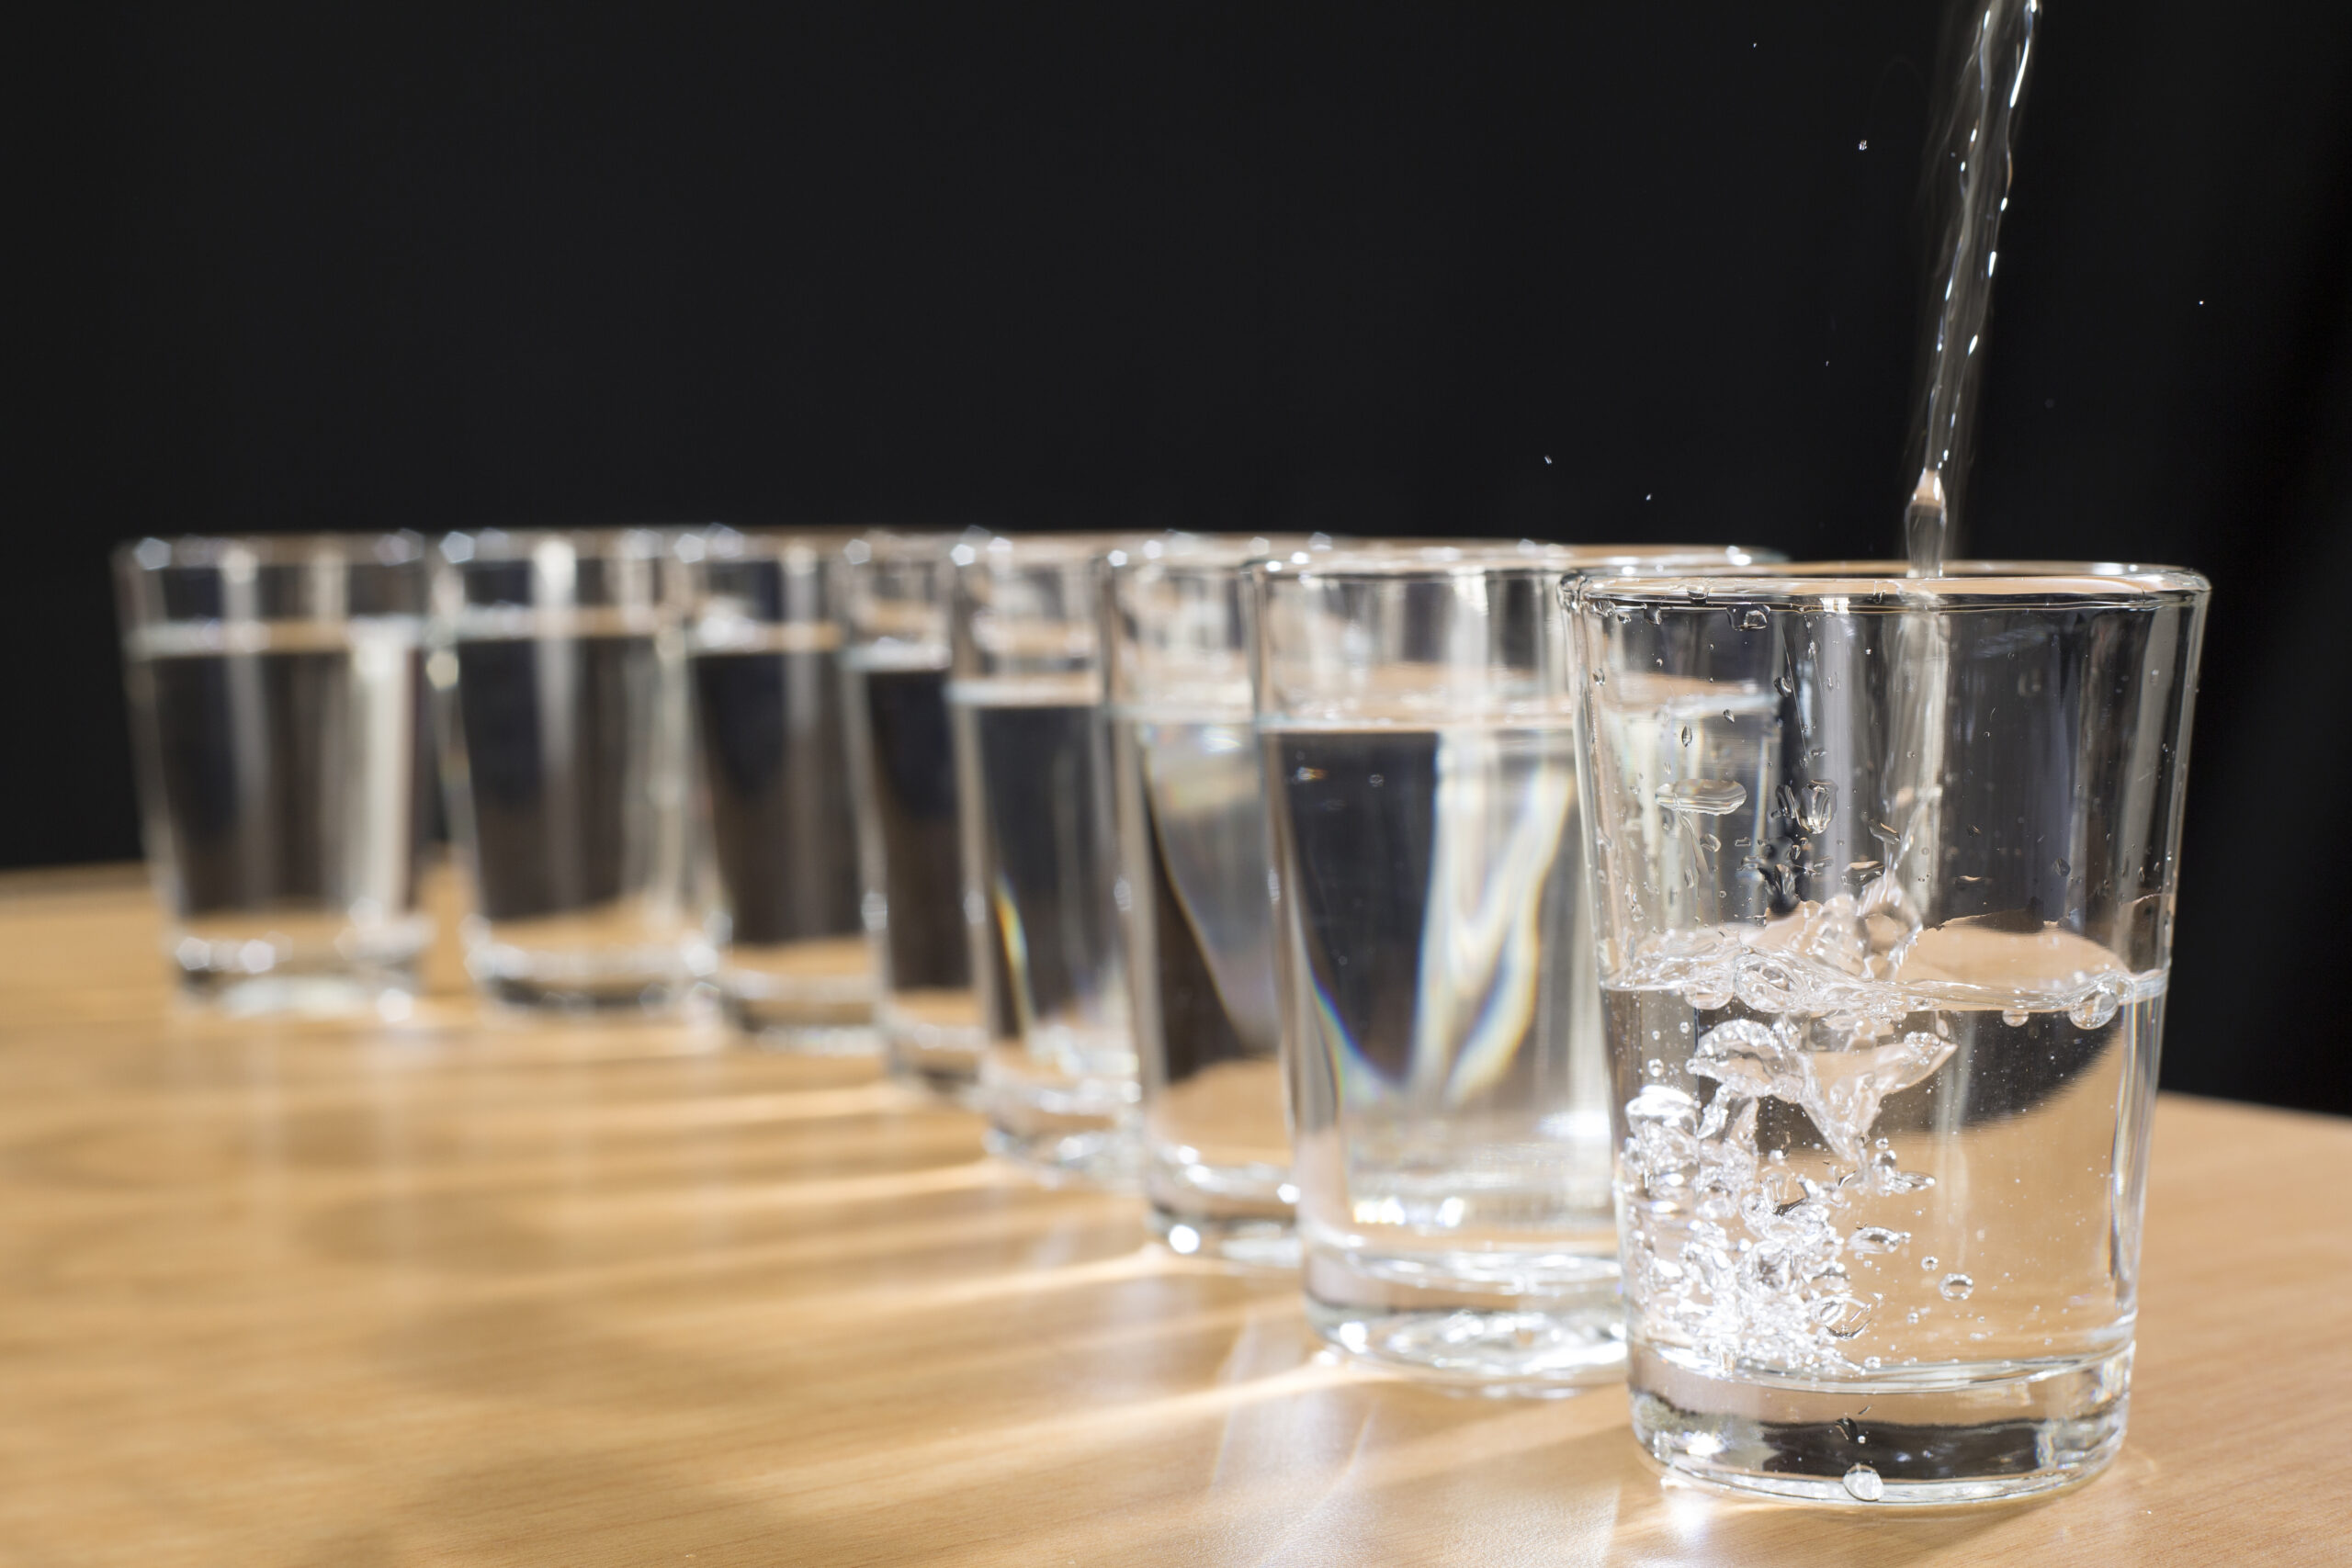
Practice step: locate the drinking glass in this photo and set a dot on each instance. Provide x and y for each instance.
(893, 611)
(1199, 927)
(285, 763)
(1041, 886)
(1416, 718)
(562, 674)
(777, 845)
(1886, 869)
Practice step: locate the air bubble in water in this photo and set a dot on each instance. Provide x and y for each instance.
(1755, 620)
(1956, 1287)
(1686, 735)
(2014, 1017)
(1868, 1239)
(1786, 686)
(1928, 1263)
(1657, 1067)
(1698, 593)
(1708, 798)
(1843, 1316)
(1816, 804)
(1864, 1484)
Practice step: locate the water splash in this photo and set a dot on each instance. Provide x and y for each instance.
(1969, 181)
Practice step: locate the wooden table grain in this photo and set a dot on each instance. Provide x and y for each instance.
(462, 1288)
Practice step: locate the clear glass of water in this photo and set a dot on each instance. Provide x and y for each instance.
(284, 761)
(1041, 883)
(1200, 923)
(894, 610)
(560, 666)
(1886, 870)
(776, 839)
(1416, 716)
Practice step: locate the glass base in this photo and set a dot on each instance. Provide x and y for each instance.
(941, 1059)
(812, 996)
(617, 995)
(777, 1025)
(302, 962)
(650, 979)
(387, 993)
(1062, 1128)
(1522, 1354)
(1106, 1157)
(1926, 1437)
(1450, 1318)
(810, 1039)
(1242, 1213)
(1245, 1241)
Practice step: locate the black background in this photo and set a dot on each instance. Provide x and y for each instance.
(1627, 273)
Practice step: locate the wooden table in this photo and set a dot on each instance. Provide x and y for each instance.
(461, 1290)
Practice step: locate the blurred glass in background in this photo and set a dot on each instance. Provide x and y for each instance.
(778, 843)
(1041, 883)
(284, 761)
(894, 613)
(559, 662)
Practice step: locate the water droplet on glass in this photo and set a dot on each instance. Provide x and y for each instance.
(1600, 678)
(1956, 1287)
(1864, 1484)
(1755, 620)
(2061, 867)
(2097, 1007)
(1708, 798)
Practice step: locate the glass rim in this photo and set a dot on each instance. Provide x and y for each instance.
(793, 547)
(1884, 585)
(1214, 554)
(495, 546)
(371, 546)
(911, 546)
(1396, 559)
(993, 549)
